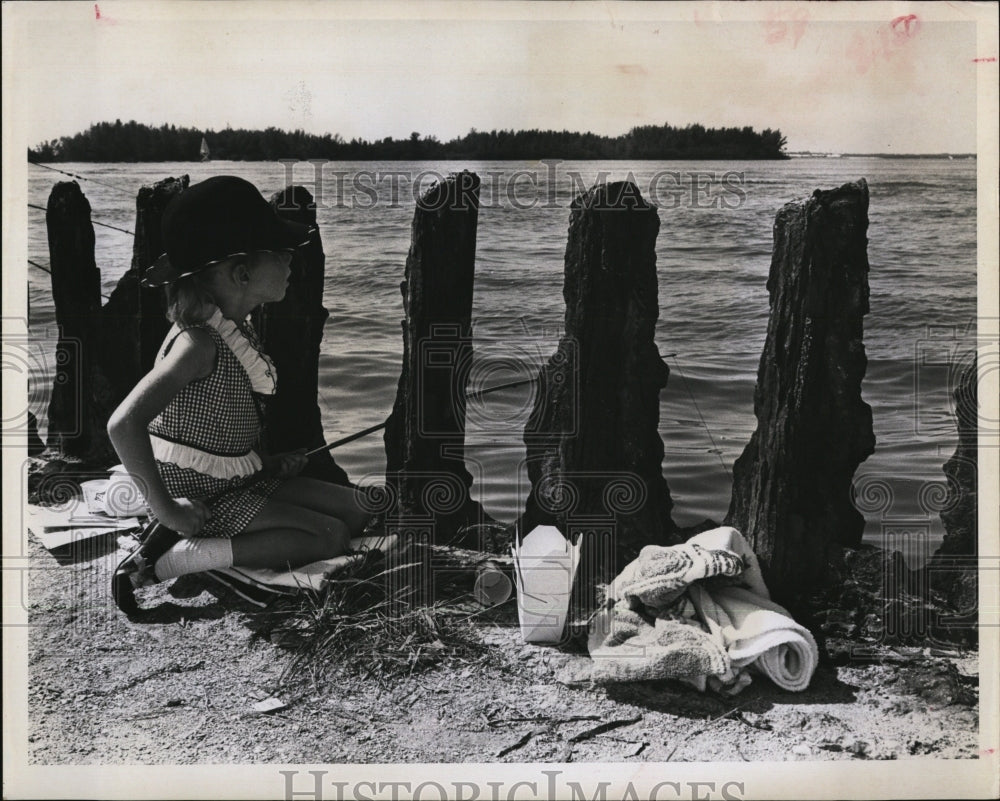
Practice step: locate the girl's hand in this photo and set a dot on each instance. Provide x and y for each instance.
(186, 517)
(286, 465)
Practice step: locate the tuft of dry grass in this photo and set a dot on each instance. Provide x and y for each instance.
(374, 621)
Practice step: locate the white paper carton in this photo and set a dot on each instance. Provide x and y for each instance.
(544, 565)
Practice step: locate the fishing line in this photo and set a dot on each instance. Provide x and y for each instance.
(701, 417)
(47, 270)
(83, 178)
(95, 222)
(479, 393)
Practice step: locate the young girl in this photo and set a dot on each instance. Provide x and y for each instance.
(190, 431)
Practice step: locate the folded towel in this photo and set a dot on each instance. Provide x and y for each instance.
(659, 575)
(699, 612)
(624, 646)
(757, 632)
(727, 538)
(731, 683)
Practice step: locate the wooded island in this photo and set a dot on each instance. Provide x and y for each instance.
(134, 141)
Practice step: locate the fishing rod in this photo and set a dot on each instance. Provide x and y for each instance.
(372, 429)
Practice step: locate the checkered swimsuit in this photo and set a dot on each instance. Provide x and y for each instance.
(221, 416)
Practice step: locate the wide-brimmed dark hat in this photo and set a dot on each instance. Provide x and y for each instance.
(213, 220)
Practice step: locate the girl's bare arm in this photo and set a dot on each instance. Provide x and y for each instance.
(191, 356)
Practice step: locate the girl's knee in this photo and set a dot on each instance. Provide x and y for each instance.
(335, 537)
(357, 519)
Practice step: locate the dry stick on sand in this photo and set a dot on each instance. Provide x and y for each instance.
(515, 745)
(610, 725)
(703, 729)
(543, 719)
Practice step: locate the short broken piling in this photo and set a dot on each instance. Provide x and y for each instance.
(792, 486)
(593, 446)
(425, 434)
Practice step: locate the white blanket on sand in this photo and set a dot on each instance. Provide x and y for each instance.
(312, 576)
(694, 583)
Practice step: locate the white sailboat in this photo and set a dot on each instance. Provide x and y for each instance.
(205, 155)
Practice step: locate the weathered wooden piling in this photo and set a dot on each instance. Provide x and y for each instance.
(593, 446)
(150, 203)
(134, 320)
(290, 333)
(425, 433)
(76, 293)
(792, 486)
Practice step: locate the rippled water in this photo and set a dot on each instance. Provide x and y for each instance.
(712, 265)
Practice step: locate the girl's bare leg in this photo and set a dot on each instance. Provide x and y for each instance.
(285, 535)
(328, 499)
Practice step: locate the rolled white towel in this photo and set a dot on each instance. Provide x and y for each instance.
(758, 632)
(790, 664)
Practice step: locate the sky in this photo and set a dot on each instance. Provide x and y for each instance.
(895, 81)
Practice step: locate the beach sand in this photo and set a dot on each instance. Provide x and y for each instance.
(180, 687)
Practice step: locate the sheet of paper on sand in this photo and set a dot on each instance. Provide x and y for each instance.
(58, 527)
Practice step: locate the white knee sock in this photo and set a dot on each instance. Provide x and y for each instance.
(194, 556)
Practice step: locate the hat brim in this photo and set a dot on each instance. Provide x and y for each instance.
(286, 235)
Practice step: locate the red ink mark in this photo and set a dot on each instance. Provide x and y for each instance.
(778, 28)
(989, 750)
(984, 60)
(902, 25)
(97, 11)
(887, 43)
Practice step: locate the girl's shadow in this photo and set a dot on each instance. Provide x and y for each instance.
(190, 587)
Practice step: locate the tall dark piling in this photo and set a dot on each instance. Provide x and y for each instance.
(593, 446)
(133, 321)
(290, 333)
(425, 434)
(150, 203)
(954, 568)
(792, 486)
(76, 293)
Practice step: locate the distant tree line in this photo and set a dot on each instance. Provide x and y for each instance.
(133, 141)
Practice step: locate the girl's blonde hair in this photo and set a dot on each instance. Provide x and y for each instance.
(189, 299)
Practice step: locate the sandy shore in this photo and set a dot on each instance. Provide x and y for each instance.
(179, 687)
